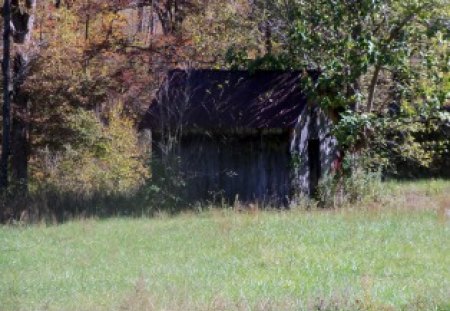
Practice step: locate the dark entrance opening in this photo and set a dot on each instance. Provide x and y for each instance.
(314, 166)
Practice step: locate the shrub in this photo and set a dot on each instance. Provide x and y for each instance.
(355, 184)
(99, 157)
(167, 189)
(401, 146)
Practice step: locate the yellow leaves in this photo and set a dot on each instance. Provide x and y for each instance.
(408, 108)
(104, 158)
(222, 25)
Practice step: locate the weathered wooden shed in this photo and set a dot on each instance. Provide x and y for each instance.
(252, 137)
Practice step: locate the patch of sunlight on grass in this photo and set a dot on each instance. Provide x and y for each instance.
(425, 187)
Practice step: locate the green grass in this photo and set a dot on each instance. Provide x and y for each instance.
(385, 255)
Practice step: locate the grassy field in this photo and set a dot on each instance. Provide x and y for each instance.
(389, 255)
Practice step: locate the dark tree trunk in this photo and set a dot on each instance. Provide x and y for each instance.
(268, 37)
(6, 94)
(178, 16)
(23, 21)
(140, 17)
(170, 15)
(20, 139)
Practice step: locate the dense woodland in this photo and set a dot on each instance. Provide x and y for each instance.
(78, 76)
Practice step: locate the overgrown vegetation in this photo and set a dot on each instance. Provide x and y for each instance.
(391, 255)
(99, 158)
(83, 73)
(402, 146)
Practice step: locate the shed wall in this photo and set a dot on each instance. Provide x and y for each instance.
(248, 168)
(313, 124)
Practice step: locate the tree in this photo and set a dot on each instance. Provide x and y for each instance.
(354, 42)
(22, 16)
(90, 58)
(228, 33)
(6, 95)
(358, 46)
(375, 58)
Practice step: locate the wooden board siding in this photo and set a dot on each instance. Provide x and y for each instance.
(249, 168)
(262, 124)
(313, 125)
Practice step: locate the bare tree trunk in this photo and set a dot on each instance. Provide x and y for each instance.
(140, 18)
(87, 23)
(23, 21)
(170, 15)
(178, 16)
(152, 19)
(151, 26)
(372, 88)
(20, 138)
(6, 94)
(268, 37)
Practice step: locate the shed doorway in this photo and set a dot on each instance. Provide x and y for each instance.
(314, 166)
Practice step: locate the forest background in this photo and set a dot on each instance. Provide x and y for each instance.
(79, 75)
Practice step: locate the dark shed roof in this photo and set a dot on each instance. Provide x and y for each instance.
(220, 99)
